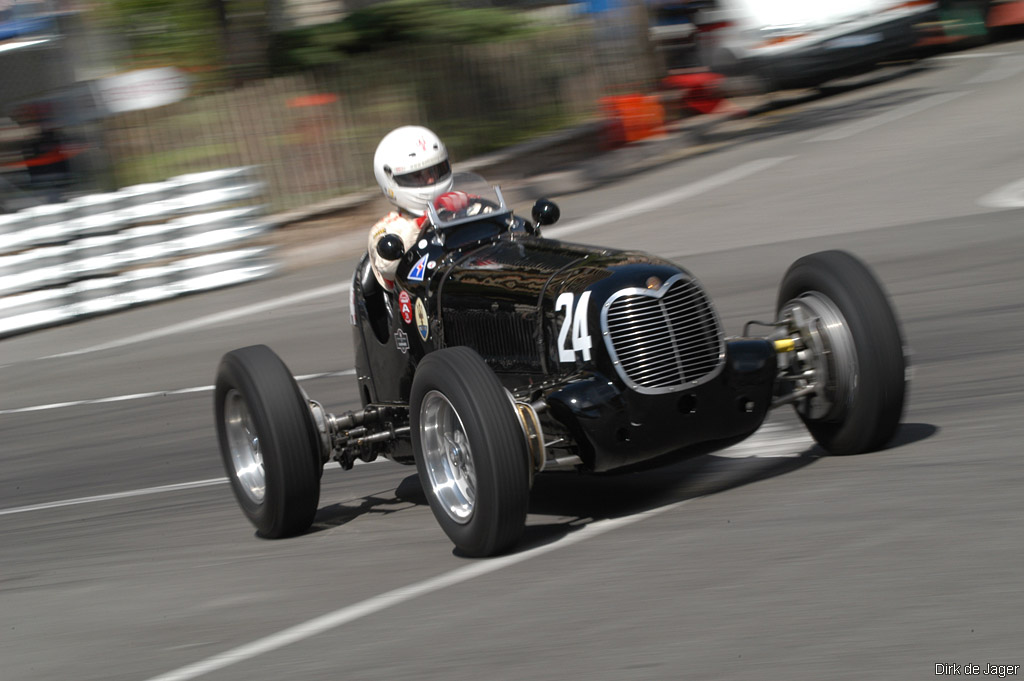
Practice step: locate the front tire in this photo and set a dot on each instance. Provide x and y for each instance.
(833, 304)
(268, 442)
(470, 452)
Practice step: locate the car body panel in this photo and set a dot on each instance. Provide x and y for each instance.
(605, 339)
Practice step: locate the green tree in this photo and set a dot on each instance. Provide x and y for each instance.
(183, 33)
(395, 23)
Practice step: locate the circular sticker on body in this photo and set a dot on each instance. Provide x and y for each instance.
(422, 324)
(405, 305)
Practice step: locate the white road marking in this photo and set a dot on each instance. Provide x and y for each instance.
(887, 117)
(103, 400)
(212, 319)
(971, 55)
(1010, 196)
(687, 191)
(156, 393)
(771, 441)
(375, 604)
(146, 491)
(1003, 68)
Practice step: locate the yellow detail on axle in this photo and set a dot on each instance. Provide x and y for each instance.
(785, 345)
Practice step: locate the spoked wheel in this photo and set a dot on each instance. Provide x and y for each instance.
(849, 356)
(268, 442)
(470, 451)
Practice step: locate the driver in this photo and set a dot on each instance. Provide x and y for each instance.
(412, 168)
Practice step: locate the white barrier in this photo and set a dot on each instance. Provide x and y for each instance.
(105, 252)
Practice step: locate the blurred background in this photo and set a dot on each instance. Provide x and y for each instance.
(153, 148)
(138, 91)
(134, 133)
(95, 96)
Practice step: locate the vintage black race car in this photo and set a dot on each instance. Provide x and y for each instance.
(500, 355)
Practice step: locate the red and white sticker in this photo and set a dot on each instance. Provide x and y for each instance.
(405, 305)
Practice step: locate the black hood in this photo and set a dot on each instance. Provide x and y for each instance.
(503, 299)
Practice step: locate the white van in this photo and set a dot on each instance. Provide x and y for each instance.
(783, 44)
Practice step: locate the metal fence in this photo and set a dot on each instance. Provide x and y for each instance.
(314, 133)
(198, 178)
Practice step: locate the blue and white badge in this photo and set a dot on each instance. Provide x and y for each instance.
(416, 273)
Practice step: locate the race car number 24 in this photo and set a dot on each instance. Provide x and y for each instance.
(574, 323)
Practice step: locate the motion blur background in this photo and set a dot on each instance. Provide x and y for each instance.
(143, 90)
(150, 149)
(96, 96)
(142, 142)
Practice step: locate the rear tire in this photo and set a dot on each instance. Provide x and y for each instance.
(847, 313)
(470, 452)
(268, 442)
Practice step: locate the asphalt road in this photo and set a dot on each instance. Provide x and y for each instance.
(124, 556)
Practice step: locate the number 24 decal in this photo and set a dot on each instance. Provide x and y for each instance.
(580, 333)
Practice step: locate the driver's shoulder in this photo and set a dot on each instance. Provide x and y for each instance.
(388, 219)
(393, 222)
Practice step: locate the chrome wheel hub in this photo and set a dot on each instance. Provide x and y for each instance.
(244, 445)
(447, 457)
(828, 357)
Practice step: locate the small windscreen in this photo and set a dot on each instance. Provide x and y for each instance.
(472, 211)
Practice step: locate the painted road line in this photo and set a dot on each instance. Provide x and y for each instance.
(971, 55)
(213, 319)
(647, 204)
(375, 604)
(146, 491)
(155, 393)
(887, 117)
(771, 441)
(1003, 68)
(1010, 196)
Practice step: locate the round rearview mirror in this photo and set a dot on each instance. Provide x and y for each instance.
(390, 247)
(545, 212)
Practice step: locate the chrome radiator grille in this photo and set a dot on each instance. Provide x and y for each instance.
(664, 340)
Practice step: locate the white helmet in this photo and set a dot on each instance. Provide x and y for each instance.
(412, 168)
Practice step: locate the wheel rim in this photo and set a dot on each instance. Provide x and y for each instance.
(447, 457)
(244, 447)
(830, 354)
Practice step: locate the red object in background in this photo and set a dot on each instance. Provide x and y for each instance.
(698, 92)
(1005, 14)
(33, 112)
(312, 100)
(48, 158)
(632, 118)
(46, 152)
